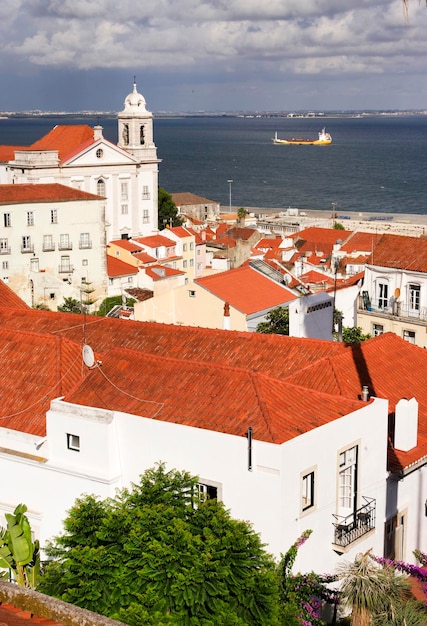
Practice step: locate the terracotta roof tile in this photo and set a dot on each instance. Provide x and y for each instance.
(275, 410)
(9, 299)
(246, 290)
(49, 192)
(361, 242)
(155, 241)
(67, 139)
(401, 252)
(116, 267)
(161, 272)
(127, 244)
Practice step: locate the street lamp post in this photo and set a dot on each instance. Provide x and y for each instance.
(229, 181)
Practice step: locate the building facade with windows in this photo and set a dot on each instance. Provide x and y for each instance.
(126, 174)
(278, 428)
(52, 243)
(394, 294)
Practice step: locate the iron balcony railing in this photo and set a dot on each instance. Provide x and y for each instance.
(29, 249)
(394, 308)
(355, 525)
(85, 245)
(5, 250)
(65, 245)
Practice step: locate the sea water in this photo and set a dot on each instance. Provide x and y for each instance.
(375, 163)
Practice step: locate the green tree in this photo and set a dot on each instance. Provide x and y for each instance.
(354, 334)
(370, 590)
(158, 554)
(109, 303)
(167, 211)
(241, 214)
(19, 555)
(277, 322)
(338, 226)
(71, 305)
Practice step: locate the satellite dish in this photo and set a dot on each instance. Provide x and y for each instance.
(397, 292)
(88, 356)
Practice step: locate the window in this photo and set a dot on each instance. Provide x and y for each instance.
(73, 442)
(26, 243)
(7, 219)
(191, 262)
(199, 266)
(4, 246)
(377, 329)
(141, 135)
(64, 242)
(65, 266)
(307, 491)
(145, 216)
(191, 246)
(124, 209)
(99, 153)
(84, 262)
(192, 293)
(30, 218)
(100, 187)
(184, 247)
(184, 264)
(145, 192)
(347, 481)
(54, 216)
(125, 134)
(85, 241)
(48, 244)
(34, 265)
(124, 191)
(414, 292)
(5, 265)
(198, 251)
(409, 336)
(382, 295)
(206, 491)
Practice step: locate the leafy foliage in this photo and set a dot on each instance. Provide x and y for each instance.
(301, 594)
(338, 226)
(71, 305)
(277, 322)
(156, 555)
(167, 211)
(18, 553)
(109, 303)
(354, 334)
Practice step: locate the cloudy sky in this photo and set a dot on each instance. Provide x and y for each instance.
(213, 55)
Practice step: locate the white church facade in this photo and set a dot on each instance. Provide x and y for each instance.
(78, 156)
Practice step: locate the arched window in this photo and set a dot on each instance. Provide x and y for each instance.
(125, 134)
(100, 187)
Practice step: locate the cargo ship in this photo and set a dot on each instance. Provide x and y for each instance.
(324, 139)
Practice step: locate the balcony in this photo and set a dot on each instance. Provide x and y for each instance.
(5, 250)
(65, 245)
(29, 249)
(48, 247)
(395, 309)
(66, 269)
(355, 525)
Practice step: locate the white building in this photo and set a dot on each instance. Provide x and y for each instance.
(52, 243)
(394, 292)
(78, 156)
(290, 433)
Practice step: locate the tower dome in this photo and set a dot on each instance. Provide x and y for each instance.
(135, 103)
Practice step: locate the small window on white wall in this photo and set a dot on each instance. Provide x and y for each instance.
(307, 490)
(73, 442)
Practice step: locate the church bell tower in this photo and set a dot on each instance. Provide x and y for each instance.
(135, 132)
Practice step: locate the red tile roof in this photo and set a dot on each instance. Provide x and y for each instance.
(49, 192)
(9, 299)
(270, 370)
(161, 272)
(155, 241)
(7, 153)
(361, 242)
(180, 231)
(66, 139)
(315, 234)
(276, 411)
(246, 290)
(126, 244)
(401, 252)
(144, 257)
(116, 267)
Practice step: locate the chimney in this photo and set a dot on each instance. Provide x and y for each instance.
(226, 322)
(406, 424)
(97, 132)
(365, 389)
